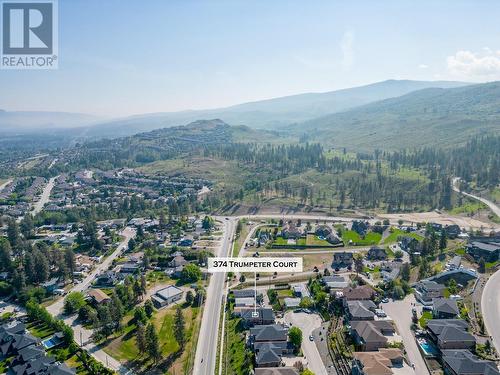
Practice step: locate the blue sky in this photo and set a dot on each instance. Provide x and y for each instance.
(119, 58)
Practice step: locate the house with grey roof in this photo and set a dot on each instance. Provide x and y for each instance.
(450, 334)
(269, 343)
(444, 308)
(463, 362)
(361, 310)
(335, 282)
(253, 317)
(167, 296)
(426, 291)
(487, 249)
(277, 371)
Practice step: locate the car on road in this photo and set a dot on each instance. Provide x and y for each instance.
(385, 300)
(311, 338)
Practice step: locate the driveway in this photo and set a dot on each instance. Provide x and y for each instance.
(308, 323)
(400, 312)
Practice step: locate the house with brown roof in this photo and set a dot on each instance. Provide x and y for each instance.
(380, 362)
(371, 335)
(358, 293)
(97, 296)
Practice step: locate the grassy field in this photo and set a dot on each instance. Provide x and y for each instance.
(371, 238)
(124, 347)
(40, 330)
(469, 207)
(235, 359)
(396, 233)
(245, 229)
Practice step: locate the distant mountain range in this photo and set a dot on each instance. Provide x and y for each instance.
(428, 117)
(272, 113)
(21, 121)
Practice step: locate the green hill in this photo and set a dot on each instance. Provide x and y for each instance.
(429, 117)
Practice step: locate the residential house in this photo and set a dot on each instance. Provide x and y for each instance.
(244, 302)
(380, 362)
(463, 362)
(335, 282)
(269, 343)
(300, 290)
(450, 334)
(290, 231)
(455, 263)
(371, 335)
(361, 310)
(409, 244)
(291, 303)
(177, 261)
(487, 249)
(452, 231)
(106, 279)
(376, 253)
(50, 285)
(327, 233)
(130, 267)
(426, 291)
(97, 296)
(243, 293)
(276, 371)
(360, 227)
(342, 260)
(253, 317)
(358, 293)
(444, 308)
(167, 296)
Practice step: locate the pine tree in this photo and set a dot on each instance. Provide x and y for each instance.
(153, 344)
(141, 338)
(179, 327)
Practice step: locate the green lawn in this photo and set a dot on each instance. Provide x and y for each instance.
(426, 315)
(492, 264)
(374, 270)
(371, 238)
(396, 233)
(313, 240)
(40, 330)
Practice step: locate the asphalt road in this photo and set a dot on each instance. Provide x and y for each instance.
(44, 198)
(206, 349)
(307, 324)
(493, 207)
(490, 307)
(400, 313)
(82, 334)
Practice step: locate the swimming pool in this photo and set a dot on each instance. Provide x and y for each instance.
(49, 343)
(428, 348)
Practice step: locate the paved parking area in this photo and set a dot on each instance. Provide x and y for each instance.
(308, 323)
(401, 314)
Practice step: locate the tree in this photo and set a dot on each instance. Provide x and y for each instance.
(190, 297)
(131, 244)
(140, 315)
(307, 372)
(179, 327)
(13, 234)
(452, 286)
(140, 338)
(295, 336)
(405, 272)
(398, 254)
(190, 273)
(74, 302)
(443, 241)
(5, 255)
(358, 263)
(152, 343)
(148, 308)
(482, 265)
(398, 292)
(306, 303)
(207, 223)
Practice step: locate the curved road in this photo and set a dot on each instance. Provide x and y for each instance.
(490, 300)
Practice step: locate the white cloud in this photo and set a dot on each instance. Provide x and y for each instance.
(423, 66)
(471, 65)
(346, 46)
